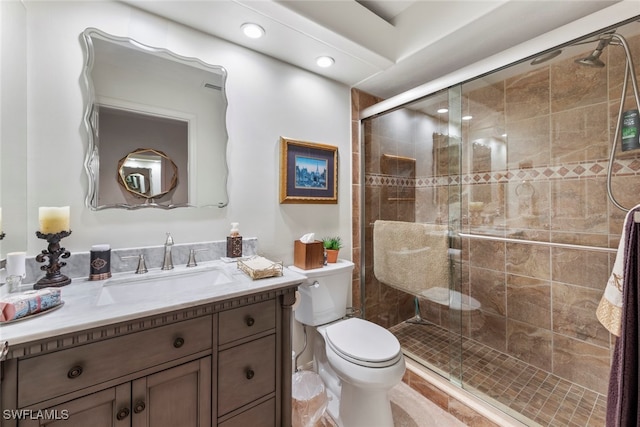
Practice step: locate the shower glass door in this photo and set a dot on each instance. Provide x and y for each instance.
(516, 166)
(541, 231)
(412, 160)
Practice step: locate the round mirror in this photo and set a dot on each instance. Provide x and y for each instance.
(147, 173)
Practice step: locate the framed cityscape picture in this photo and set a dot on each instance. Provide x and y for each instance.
(308, 172)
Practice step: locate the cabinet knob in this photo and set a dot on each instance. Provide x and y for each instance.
(139, 407)
(178, 342)
(74, 372)
(249, 373)
(250, 321)
(122, 414)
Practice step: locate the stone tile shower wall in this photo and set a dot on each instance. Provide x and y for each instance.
(537, 302)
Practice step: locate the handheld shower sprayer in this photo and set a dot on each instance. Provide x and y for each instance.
(627, 119)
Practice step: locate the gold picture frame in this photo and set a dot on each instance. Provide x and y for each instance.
(308, 172)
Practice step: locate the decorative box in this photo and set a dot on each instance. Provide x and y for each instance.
(308, 255)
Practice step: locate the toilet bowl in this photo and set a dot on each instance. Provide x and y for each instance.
(368, 361)
(358, 360)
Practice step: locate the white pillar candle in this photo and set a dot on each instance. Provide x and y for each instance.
(54, 220)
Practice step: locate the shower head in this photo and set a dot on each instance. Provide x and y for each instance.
(593, 60)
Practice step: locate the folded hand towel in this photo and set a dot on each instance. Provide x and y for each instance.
(411, 256)
(15, 306)
(622, 395)
(609, 311)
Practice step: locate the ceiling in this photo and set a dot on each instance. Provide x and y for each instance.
(381, 47)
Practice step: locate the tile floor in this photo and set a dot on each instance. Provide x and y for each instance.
(411, 409)
(531, 395)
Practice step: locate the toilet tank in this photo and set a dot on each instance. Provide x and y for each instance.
(324, 295)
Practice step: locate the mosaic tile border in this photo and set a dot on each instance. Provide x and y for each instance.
(580, 170)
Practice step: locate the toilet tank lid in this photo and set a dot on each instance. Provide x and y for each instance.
(363, 340)
(332, 267)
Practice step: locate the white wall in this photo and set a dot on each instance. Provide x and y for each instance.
(13, 124)
(267, 99)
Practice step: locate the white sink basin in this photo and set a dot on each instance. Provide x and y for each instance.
(160, 285)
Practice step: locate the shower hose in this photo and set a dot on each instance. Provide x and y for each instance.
(629, 69)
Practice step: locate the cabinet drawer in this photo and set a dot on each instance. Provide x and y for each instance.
(54, 374)
(263, 415)
(245, 373)
(245, 321)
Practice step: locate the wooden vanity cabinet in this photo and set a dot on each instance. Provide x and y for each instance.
(153, 372)
(177, 396)
(225, 364)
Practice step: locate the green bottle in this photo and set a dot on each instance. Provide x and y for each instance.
(630, 130)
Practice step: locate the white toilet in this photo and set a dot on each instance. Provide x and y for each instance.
(358, 361)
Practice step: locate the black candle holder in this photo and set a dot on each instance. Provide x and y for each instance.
(53, 278)
(2, 235)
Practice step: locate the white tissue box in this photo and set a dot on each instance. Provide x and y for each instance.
(308, 255)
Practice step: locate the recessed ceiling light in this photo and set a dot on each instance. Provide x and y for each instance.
(467, 117)
(251, 30)
(443, 110)
(325, 61)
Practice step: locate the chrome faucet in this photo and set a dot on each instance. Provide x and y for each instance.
(167, 263)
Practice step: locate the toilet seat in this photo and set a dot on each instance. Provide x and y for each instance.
(363, 343)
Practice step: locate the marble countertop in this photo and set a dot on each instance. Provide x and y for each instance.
(91, 304)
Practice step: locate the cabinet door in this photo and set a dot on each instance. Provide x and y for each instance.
(107, 408)
(179, 396)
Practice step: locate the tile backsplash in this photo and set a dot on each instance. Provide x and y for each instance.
(78, 263)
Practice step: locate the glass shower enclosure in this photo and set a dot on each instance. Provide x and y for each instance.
(510, 172)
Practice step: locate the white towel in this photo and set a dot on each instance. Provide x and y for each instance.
(411, 256)
(609, 311)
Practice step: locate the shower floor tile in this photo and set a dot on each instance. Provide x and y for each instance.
(529, 394)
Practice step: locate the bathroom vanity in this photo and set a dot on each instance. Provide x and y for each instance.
(192, 353)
